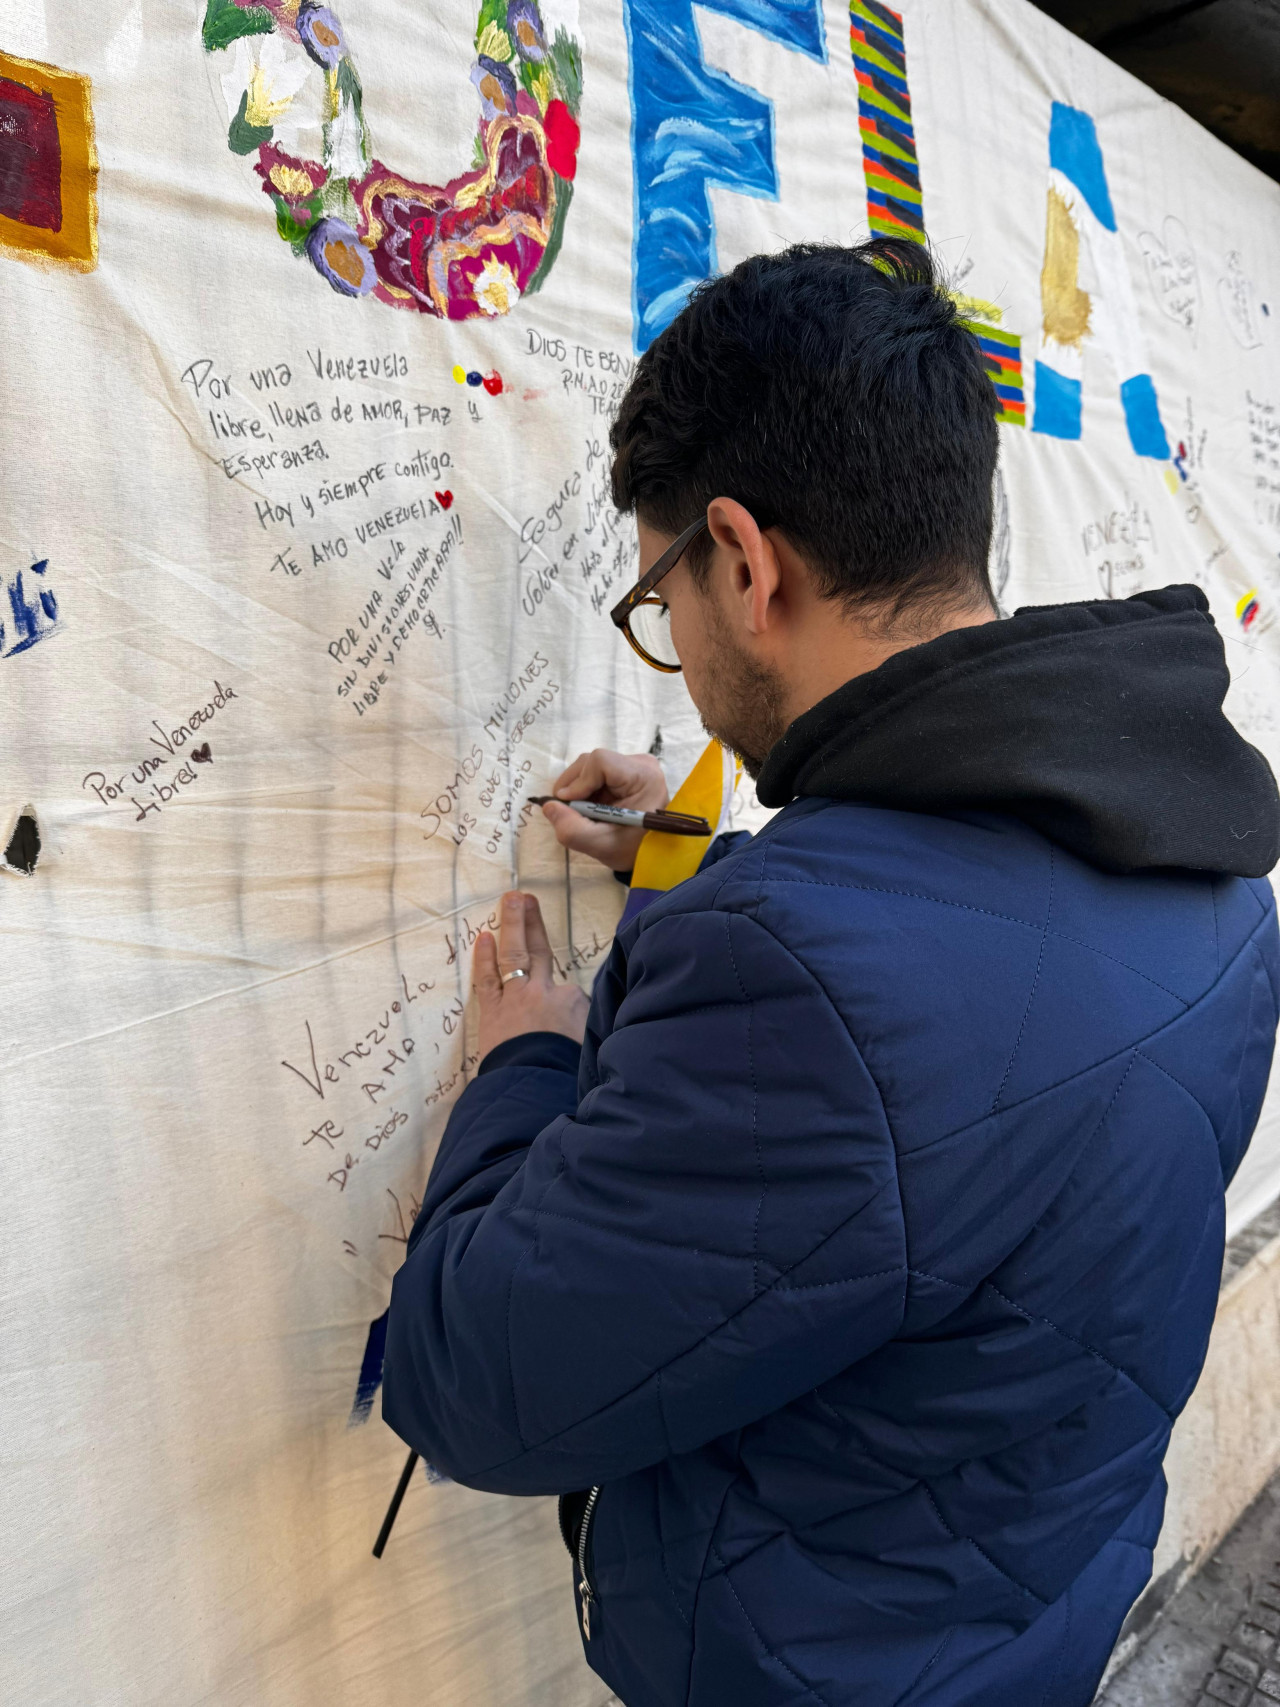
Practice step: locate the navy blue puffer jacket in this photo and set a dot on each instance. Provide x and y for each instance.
(866, 1256)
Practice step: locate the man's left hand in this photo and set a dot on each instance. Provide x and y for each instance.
(529, 1000)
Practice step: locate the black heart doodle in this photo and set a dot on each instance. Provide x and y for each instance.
(1172, 272)
(202, 755)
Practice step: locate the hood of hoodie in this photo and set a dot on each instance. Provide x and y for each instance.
(1099, 724)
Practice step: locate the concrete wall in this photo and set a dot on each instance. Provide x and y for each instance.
(1226, 1446)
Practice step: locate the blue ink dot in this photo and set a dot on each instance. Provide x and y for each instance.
(474, 378)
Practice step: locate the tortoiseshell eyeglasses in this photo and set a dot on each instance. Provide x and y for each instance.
(643, 615)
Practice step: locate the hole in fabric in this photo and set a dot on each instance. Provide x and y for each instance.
(23, 850)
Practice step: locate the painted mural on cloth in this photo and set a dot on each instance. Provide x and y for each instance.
(891, 168)
(48, 166)
(1080, 219)
(28, 609)
(470, 248)
(693, 126)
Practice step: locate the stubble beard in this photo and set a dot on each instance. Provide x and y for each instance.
(744, 703)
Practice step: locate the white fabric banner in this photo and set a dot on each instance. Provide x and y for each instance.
(313, 318)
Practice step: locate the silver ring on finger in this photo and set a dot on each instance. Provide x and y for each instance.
(518, 973)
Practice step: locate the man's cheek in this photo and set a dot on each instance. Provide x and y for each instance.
(689, 644)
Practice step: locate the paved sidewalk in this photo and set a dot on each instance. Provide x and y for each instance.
(1218, 1640)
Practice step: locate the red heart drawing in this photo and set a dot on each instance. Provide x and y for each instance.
(202, 755)
(444, 499)
(493, 383)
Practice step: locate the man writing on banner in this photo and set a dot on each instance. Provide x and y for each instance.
(846, 1264)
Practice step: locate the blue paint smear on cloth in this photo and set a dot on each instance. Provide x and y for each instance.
(1142, 415)
(692, 126)
(32, 610)
(370, 1380)
(1058, 401)
(1075, 152)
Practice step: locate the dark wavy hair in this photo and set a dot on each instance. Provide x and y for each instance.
(835, 393)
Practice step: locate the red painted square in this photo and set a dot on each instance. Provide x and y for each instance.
(30, 157)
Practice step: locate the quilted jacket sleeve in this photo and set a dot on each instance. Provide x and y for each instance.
(712, 1231)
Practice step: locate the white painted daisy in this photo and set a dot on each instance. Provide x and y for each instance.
(495, 288)
(271, 72)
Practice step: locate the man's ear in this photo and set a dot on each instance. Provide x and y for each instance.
(753, 572)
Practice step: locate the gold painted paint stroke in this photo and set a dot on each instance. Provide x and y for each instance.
(76, 244)
(1065, 306)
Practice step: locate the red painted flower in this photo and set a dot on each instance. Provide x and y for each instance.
(563, 137)
(291, 179)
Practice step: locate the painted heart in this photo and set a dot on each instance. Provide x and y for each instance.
(493, 384)
(1172, 272)
(444, 499)
(202, 755)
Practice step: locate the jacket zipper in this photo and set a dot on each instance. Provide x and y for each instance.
(585, 1592)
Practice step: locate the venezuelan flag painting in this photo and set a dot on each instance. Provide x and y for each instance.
(889, 161)
(891, 167)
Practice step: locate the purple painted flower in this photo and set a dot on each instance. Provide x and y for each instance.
(321, 35)
(524, 26)
(338, 255)
(496, 85)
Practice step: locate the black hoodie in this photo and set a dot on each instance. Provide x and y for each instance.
(1100, 725)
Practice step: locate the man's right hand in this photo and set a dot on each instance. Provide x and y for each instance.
(634, 780)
